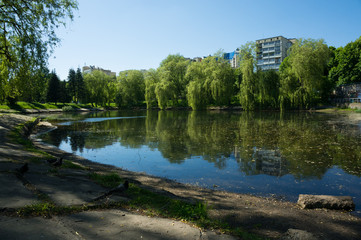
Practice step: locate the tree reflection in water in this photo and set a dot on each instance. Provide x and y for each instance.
(302, 144)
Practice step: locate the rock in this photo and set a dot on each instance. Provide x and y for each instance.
(326, 201)
(296, 234)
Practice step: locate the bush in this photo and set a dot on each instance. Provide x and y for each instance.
(67, 109)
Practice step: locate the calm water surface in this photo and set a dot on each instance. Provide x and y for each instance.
(259, 153)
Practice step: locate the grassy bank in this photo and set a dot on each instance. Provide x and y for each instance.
(23, 106)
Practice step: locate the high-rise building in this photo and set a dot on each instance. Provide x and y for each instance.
(272, 51)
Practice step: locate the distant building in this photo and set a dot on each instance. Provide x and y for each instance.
(89, 69)
(272, 51)
(232, 58)
(197, 59)
(348, 93)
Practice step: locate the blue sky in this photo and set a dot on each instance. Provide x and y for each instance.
(138, 34)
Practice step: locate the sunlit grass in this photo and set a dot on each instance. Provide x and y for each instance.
(35, 105)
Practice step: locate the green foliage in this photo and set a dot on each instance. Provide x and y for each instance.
(219, 81)
(302, 74)
(268, 84)
(80, 86)
(151, 80)
(67, 109)
(172, 82)
(131, 88)
(248, 84)
(196, 92)
(210, 82)
(100, 88)
(54, 89)
(72, 85)
(346, 64)
(28, 36)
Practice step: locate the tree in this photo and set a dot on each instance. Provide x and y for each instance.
(268, 85)
(247, 93)
(54, 88)
(29, 26)
(172, 82)
(303, 73)
(27, 33)
(220, 80)
(98, 87)
(80, 90)
(64, 95)
(196, 92)
(131, 88)
(151, 79)
(248, 84)
(72, 84)
(346, 64)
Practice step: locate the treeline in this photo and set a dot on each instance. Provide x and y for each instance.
(306, 78)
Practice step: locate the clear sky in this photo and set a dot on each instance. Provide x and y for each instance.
(138, 34)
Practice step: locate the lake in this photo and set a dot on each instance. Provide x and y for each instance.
(265, 153)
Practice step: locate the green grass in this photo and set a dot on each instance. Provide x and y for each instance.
(109, 180)
(19, 106)
(17, 137)
(154, 204)
(72, 165)
(46, 209)
(5, 107)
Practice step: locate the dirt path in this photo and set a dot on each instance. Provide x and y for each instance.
(266, 217)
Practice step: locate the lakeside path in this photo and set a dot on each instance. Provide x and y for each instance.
(267, 217)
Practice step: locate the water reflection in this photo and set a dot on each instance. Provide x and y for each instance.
(302, 144)
(259, 153)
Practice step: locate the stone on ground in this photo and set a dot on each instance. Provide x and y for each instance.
(326, 201)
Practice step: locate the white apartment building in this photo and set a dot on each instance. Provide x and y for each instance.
(272, 51)
(89, 69)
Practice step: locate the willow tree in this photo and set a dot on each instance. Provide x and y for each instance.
(100, 88)
(131, 88)
(151, 79)
(268, 85)
(247, 94)
(220, 81)
(248, 85)
(304, 73)
(196, 92)
(27, 35)
(171, 87)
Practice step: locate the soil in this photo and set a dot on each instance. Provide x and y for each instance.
(267, 217)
